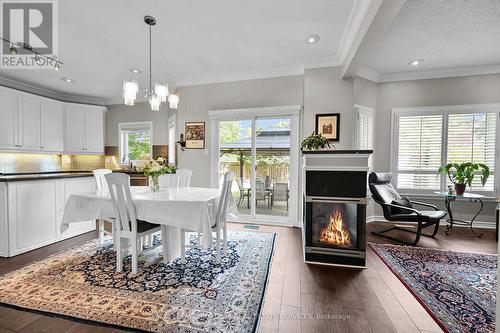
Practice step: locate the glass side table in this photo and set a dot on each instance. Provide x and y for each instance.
(471, 197)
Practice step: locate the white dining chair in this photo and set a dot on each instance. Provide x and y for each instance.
(184, 177)
(101, 184)
(219, 224)
(127, 227)
(169, 180)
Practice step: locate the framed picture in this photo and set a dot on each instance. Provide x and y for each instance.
(195, 135)
(328, 124)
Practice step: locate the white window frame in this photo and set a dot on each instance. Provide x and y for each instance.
(444, 111)
(358, 109)
(172, 145)
(122, 126)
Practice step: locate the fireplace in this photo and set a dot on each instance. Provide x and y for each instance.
(334, 212)
(335, 224)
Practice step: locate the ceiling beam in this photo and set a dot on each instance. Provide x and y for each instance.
(377, 20)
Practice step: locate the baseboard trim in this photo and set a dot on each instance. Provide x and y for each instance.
(477, 224)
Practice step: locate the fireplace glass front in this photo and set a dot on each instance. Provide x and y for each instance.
(334, 225)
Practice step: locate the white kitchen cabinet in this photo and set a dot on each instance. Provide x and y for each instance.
(84, 129)
(32, 215)
(94, 130)
(51, 125)
(28, 115)
(8, 116)
(4, 219)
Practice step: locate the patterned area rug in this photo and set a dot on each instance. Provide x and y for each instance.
(197, 296)
(457, 289)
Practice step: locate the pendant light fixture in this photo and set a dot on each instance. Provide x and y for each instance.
(156, 96)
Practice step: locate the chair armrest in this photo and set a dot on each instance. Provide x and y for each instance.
(425, 204)
(413, 210)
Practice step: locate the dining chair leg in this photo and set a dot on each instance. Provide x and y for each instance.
(164, 244)
(101, 230)
(217, 245)
(118, 248)
(183, 245)
(134, 255)
(224, 235)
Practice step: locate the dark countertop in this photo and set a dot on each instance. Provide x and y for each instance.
(129, 172)
(14, 177)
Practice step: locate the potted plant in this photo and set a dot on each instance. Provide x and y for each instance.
(153, 169)
(316, 142)
(462, 174)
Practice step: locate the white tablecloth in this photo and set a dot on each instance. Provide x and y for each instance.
(190, 208)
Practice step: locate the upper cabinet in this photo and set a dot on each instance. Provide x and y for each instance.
(84, 129)
(8, 125)
(51, 125)
(33, 123)
(28, 116)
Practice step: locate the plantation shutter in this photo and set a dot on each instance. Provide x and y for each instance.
(419, 151)
(364, 130)
(471, 137)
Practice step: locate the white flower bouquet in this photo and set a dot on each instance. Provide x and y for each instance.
(153, 169)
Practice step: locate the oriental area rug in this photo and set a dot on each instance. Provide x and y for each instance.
(198, 295)
(457, 289)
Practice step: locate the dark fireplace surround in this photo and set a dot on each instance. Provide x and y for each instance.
(335, 217)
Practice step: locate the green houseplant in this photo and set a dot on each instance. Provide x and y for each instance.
(316, 142)
(462, 174)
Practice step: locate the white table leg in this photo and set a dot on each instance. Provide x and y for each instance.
(174, 242)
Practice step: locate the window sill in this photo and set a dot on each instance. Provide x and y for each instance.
(433, 196)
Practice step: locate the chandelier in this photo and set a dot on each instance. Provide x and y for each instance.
(156, 96)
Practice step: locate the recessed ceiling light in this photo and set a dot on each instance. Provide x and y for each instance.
(135, 71)
(67, 79)
(312, 39)
(416, 62)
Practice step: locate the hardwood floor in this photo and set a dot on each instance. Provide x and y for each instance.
(300, 298)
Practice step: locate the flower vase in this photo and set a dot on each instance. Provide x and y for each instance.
(155, 183)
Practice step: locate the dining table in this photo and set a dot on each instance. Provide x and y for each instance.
(189, 208)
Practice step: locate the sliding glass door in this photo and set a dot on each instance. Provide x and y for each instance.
(258, 150)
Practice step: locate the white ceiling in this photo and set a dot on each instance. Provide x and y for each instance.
(452, 36)
(193, 42)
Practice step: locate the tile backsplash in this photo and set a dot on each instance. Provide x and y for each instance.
(25, 163)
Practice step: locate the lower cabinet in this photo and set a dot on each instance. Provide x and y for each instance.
(35, 211)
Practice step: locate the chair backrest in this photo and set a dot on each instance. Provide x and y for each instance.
(280, 191)
(119, 190)
(240, 185)
(99, 178)
(225, 197)
(382, 189)
(184, 177)
(260, 190)
(169, 180)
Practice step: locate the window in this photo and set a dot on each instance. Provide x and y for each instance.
(363, 130)
(171, 140)
(424, 139)
(135, 141)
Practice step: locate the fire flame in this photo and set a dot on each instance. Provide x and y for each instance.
(335, 232)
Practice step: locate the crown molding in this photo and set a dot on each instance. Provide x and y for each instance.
(32, 89)
(321, 62)
(356, 17)
(369, 74)
(442, 73)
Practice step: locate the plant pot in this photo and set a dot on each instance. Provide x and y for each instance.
(459, 189)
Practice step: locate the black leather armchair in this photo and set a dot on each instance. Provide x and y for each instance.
(400, 209)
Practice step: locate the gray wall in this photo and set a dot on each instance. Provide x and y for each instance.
(140, 112)
(196, 101)
(434, 92)
(326, 92)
